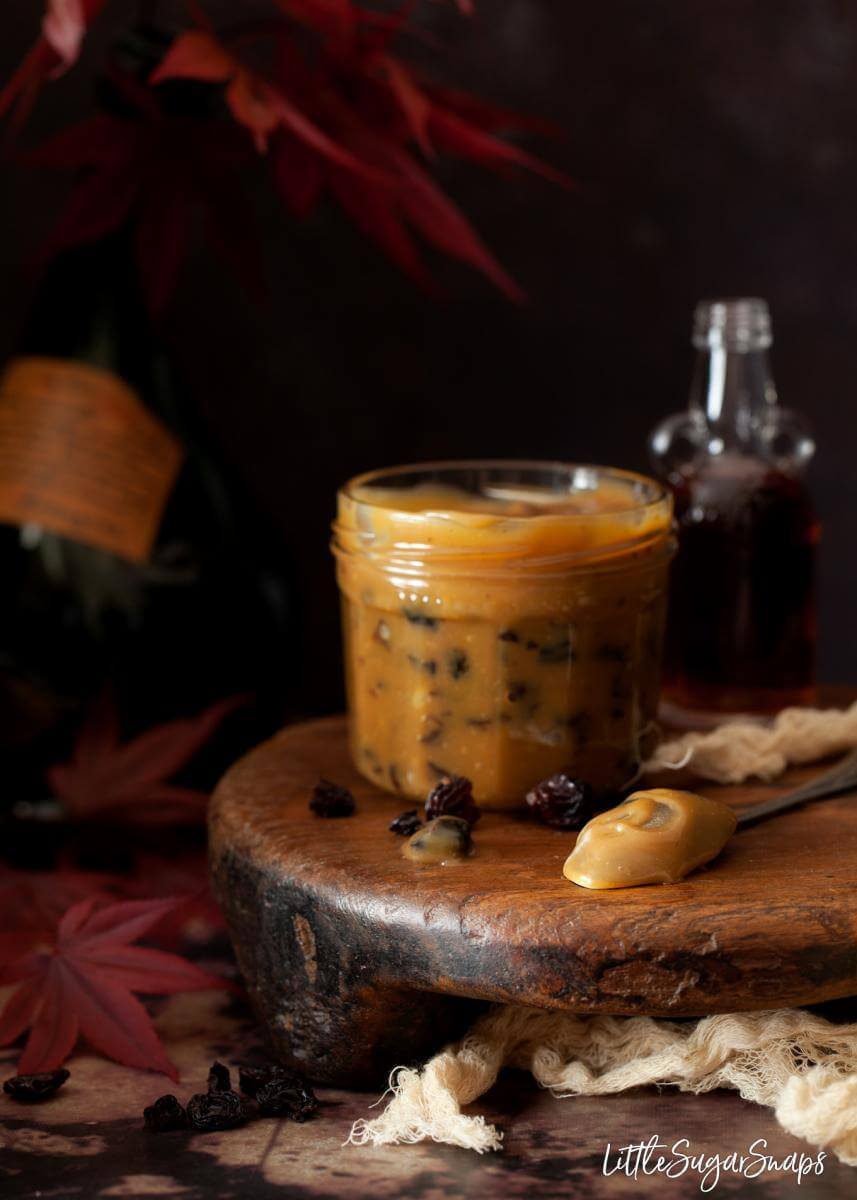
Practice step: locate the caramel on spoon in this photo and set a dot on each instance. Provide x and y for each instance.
(656, 836)
(650, 845)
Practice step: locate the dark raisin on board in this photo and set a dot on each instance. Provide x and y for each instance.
(453, 797)
(330, 800)
(218, 1078)
(420, 618)
(35, 1087)
(457, 663)
(164, 1115)
(562, 802)
(209, 1111)
(406, 823)
(508, 635)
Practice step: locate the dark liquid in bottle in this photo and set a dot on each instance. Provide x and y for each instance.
(741, 626)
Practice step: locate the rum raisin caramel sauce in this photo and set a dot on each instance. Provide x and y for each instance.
(502, 621)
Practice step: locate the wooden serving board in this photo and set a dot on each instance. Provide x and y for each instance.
(357, 959)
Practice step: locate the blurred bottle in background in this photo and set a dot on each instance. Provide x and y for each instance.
(741, 623)
(132, 561)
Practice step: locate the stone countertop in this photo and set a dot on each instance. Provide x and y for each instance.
(89, 1140)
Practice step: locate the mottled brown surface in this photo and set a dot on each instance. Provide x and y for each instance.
(89, 1140)
(356, 958)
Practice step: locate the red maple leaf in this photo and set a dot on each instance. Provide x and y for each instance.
(128, 781)
(63, 26)
(196, 915)
(83, 985)
(35, 900)
(318, 85)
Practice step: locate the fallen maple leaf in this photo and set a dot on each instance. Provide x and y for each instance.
(197, 915)
(35, 900)
(128, 781)
(83, 984)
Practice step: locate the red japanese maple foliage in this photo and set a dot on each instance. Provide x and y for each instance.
(81, 983)
(33, 901)
(320, 90)
(128, 782)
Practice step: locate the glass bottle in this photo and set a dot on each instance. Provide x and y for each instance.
(741, 625)
(170, 618)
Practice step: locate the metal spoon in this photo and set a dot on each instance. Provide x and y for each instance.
(840, 778)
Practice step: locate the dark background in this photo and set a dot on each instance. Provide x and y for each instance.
(714, 145)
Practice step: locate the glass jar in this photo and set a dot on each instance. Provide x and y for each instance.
(502, 621)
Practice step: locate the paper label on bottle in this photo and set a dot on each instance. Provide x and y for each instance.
(81, 456)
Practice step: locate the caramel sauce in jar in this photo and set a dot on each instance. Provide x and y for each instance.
(502, 621)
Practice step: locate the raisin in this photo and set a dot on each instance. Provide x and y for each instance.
(581, 726)
(453, 797)
(610, 652)
(250, 1079)
(516, 692)
(562, 802)
(508, 635)
(434, 728)
(278, 1091)
(209, 1111)
(286, 1096)
(219, 1079)
(331, 800)
(457, 663)
(406, 823)
(419, 618)
(165, 1114)
(556, 652)
(35, 1087)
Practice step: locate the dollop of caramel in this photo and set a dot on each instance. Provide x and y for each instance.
(440, 841)
(656, 836)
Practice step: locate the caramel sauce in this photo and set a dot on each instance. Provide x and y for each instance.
(440, 841)
(655, 836)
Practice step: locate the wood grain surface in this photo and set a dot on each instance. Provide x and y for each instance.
(356, 958)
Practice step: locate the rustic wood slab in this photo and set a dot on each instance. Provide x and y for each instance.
(357, 959)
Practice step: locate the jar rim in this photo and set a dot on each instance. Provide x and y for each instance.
(586, 476)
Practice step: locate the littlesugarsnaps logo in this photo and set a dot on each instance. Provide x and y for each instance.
(654, 1157)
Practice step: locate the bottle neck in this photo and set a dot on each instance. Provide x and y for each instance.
(733, 392)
